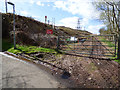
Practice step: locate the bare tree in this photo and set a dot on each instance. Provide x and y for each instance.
(110, 14)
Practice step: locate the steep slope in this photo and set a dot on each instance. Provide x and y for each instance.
(28, 30)
(32, 32)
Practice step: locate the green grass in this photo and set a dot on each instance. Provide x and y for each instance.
(7, 46)
(116, 60)
(110, 44)
(30, 49)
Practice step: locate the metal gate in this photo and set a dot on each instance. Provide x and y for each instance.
(99, 46)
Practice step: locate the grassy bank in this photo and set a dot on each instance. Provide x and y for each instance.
(30, 49)
(8, 46)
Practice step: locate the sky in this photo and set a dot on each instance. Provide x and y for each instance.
(63, 12)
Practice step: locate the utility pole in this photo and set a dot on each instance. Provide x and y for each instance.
(118, 53)
(13, 22)
(6, 5)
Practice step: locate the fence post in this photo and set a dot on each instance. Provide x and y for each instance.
(118, 52)
(92, 47)
(115, 39)
(58, 42)
(74, 43)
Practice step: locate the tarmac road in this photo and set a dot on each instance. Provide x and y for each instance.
(19, 74)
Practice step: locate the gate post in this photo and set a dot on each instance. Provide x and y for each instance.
(115, 39)
(118, 52)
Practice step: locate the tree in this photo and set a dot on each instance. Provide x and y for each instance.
(110, 14)
(101, 31)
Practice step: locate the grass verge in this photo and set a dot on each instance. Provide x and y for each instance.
(30, 49)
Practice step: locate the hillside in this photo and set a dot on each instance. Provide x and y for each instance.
(32, 32)
(73, 32)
